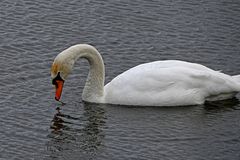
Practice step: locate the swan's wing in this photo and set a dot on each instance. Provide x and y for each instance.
(167, 82)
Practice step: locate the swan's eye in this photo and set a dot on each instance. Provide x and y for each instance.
(57, 78)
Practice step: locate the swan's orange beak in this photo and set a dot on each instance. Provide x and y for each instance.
(59, 87)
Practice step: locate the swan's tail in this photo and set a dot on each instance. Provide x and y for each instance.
(236, 78)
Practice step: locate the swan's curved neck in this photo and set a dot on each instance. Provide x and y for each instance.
(94, 86)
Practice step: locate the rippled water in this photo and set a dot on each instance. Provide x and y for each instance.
(127, 33)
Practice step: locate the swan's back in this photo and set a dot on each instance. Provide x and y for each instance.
(168, 83)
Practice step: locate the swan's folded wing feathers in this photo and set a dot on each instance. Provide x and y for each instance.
(162, 83)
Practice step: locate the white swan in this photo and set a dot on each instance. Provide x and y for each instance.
(159, 83)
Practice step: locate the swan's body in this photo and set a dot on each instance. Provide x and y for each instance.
(159, 83)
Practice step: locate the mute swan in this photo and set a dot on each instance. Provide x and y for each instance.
(159, 83)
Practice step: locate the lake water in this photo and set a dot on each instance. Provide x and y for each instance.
(126, 33)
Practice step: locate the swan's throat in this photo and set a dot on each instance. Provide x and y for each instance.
(94, 86)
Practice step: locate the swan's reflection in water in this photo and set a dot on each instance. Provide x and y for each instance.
(80, 136)
(144, 131)
(224, 105)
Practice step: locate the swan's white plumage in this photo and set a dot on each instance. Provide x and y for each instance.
(160, 83)
(168, 83)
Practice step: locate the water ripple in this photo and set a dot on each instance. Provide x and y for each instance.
(34, 32)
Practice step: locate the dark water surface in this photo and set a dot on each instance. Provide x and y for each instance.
(126, 33)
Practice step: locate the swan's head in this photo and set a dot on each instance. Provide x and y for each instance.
(61, 68)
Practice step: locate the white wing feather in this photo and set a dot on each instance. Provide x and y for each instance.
(168, 83)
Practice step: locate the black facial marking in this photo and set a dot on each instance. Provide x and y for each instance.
(58, 77)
